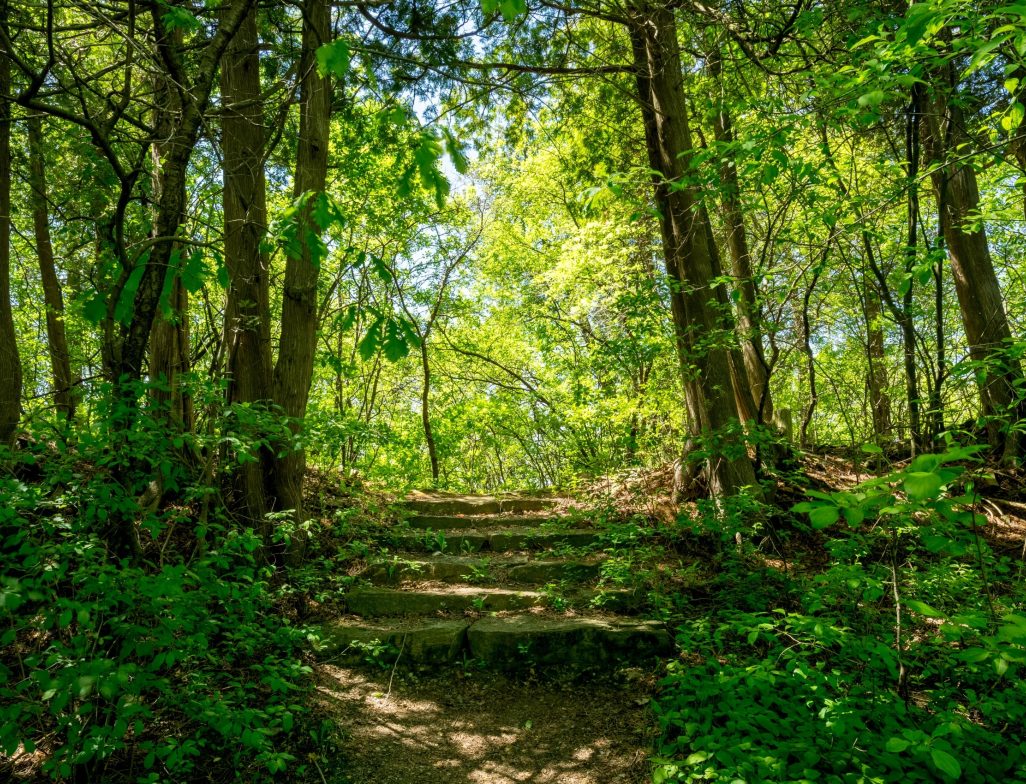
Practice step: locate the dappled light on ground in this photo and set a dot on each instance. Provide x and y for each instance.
(478, 728)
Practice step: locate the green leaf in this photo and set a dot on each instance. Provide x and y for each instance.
(923, 608)
(896, 745)
(926, 463)
(946, 763)
(824, 516)
(922, 485)
(395, 346)
(333, 58)
(872, 99)
(95, 308)
(872, 449)
(510, 9)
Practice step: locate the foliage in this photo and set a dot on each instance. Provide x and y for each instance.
(181, 662)
(900, 661)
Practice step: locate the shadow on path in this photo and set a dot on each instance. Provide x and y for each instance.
(483, 728)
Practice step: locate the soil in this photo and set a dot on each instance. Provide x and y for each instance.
(478, 727)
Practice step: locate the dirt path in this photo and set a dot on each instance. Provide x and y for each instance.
(478, 727)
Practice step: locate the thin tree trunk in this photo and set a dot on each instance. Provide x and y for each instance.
(425, 413)
(748, 317)
(904, 314)
(698, 313)
(805, 340)
(10, 362)
(247, 310)
(876, 377)
(64, 382)
(976, 284)
(294, 370)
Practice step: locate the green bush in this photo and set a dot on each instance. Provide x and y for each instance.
(172, 667)
(857, 678)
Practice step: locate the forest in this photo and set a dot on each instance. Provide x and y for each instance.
(637, 384)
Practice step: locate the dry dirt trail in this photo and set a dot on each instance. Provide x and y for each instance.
(474, 653)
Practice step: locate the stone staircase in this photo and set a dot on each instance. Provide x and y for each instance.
(493, 580)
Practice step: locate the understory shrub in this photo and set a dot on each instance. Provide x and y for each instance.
(851, 676)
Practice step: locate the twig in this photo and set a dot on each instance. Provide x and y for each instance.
(395, 665)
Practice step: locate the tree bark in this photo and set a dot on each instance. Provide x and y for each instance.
(10, 362)
(976, 284)
(247, 310)
(64, 381)
(697, 307)
(425, 411)
(748, 317)
(294, 370)
(169, 340)
(876, 376)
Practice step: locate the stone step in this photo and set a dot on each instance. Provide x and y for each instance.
(455, 522)
(494, 570)
(377, 602)
(521, 641)
(478, 504)
(500, 540)
(512, 642)
(415, 641)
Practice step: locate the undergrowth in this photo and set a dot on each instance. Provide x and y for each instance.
(901, 660)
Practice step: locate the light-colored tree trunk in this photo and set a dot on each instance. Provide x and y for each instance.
(10, 362)
(64, 381)
(699, 308)
(976, 284)
(294, 370)
(748, 318)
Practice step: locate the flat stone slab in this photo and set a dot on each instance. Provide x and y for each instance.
(440, 568)
(455, 522)
(384, 602)
(420, 641)
(477, 504)
(522, 641)
(504, 540)
(495, 570)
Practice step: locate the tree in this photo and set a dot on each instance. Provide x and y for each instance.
(10, 363)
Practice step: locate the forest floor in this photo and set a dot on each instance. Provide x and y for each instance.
(480, 727)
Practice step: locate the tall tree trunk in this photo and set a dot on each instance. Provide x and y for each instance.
(804, 329)
(294, 370)
(247, 310)
(748, 318)
(905, 315)
(169, 340)
(10, 362)
(64, 382)
(976, 283)
(699, 310)
(876, 377)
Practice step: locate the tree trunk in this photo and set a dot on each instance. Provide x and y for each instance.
(247, 310)
(425, 412)
(876, 377)
(10, 362)
(698, 308)
(748, 317)
(169, 340)
(294, 370)
(64, 382)
(976, 284)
